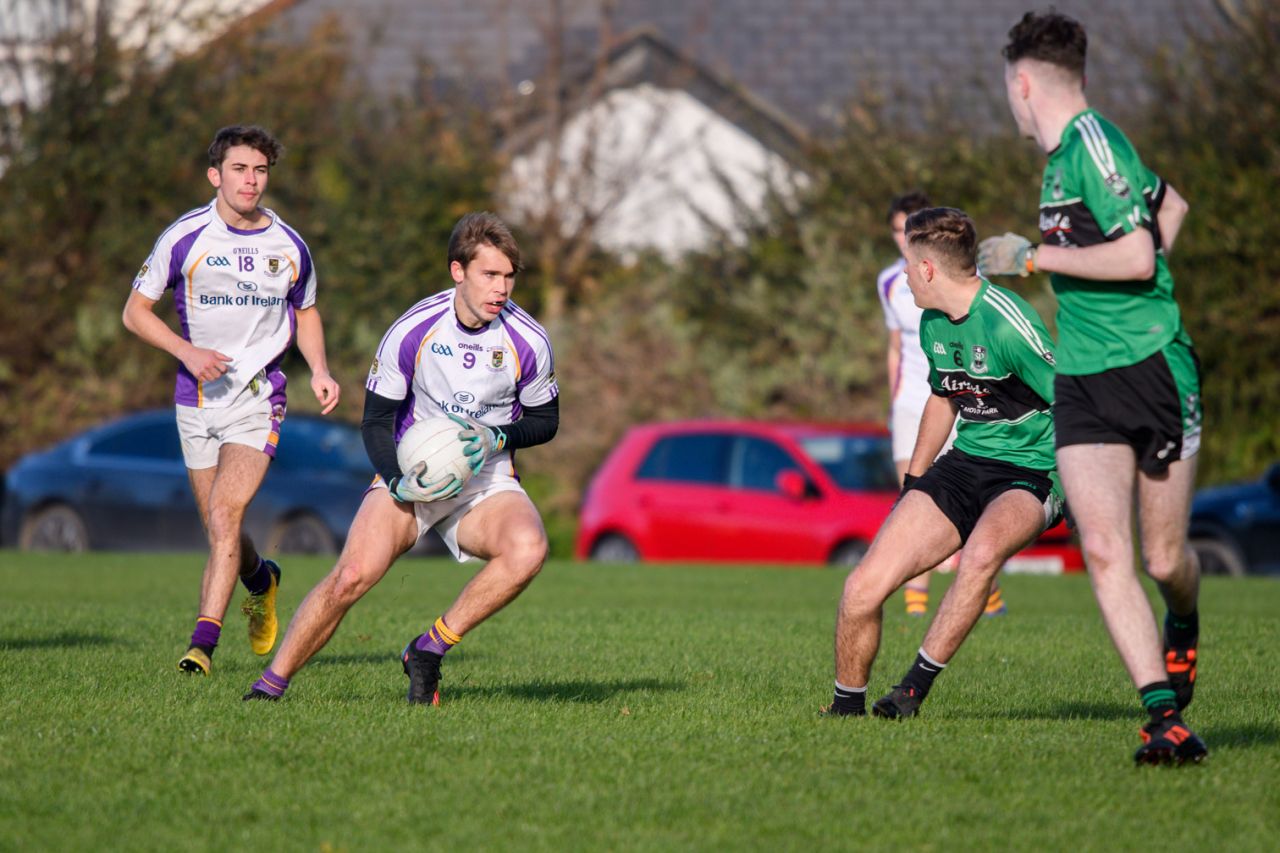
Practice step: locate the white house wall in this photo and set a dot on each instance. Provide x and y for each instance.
(663, 170)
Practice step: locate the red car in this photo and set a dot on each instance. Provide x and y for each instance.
(750, 491)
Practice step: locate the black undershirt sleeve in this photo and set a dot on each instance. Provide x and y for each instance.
(378, 429)
(536, 426)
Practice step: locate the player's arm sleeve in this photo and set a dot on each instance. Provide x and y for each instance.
(302, 293)
(1029, 348)
(1112, 180)
(377, 428)
(537, 425)
(157, 275)
(883, 283)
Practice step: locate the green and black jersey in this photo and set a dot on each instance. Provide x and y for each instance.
(996, 366)
(1097, 189)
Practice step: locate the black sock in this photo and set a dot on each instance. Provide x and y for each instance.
(922, 673)
(849, 701)
(1159, 700)
(1182, 631)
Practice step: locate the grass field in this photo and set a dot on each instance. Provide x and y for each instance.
(610, 708)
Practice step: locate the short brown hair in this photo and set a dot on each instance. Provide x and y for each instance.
(1048, 37)
(255, 137)
(947, 234)
(908, 203)
(478, 229)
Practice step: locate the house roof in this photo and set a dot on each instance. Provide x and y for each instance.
(804, 59)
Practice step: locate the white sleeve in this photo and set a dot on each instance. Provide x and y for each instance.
(393, 366)
(884, 287)
(153, 279)
(541, 387)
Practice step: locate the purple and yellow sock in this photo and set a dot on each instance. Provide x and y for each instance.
(438, 640)
(270, 683)
(205, 636)
(259, 580)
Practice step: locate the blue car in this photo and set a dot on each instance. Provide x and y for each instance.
(123, 485)
(1235, 530)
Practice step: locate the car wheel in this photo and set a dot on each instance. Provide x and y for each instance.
(54, 528)
(848, 553)
(1218, 557)
(614, 549)
(302, 534)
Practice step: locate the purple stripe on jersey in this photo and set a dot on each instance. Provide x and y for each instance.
(528, 361)
(409, 346)
(304, 266)
(405, 417)
(246, 233)
(533, 324)
(178, 258)
(186, 391)
(888, 285)
(422, 305)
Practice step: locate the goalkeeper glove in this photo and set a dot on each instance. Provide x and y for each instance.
(1008, 254)
(412, 488)
(481, 441)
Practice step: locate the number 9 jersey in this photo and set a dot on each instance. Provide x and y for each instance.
(437, 366)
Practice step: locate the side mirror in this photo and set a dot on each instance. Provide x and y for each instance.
(792, 484)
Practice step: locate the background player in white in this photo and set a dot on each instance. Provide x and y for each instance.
(242, 281)
(909, 380)
(473, 354)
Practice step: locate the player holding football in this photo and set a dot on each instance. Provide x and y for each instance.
(1128, 386)
(473, 354)
(909, 380)
(991, 364)
(242, 281)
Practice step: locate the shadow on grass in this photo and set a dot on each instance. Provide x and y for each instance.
(1062, 711)
(565, 691)
(1244, 736)
(64, 640)
(391, 656)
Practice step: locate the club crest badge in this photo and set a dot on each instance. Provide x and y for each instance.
(497, 357)
(978, 363)
(275, 264)
(1118, 185)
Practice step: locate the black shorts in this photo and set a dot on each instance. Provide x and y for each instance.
(1152, 406)
(964, 485)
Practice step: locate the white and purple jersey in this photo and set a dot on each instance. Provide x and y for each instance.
(236, 292)
(901, 314)
(438, 366)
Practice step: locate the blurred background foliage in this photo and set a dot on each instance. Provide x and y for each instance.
(782, 323)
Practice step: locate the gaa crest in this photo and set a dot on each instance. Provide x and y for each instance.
(978, 364)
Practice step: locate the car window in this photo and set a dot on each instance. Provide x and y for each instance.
(862, 462)
(157, 440)
(701, 458)
(316, 445)
(756, 462)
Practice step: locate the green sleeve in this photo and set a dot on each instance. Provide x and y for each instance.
(926, 344)
(1111, 181)
(1027, 348)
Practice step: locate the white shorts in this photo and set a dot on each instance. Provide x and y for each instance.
(253, 419)
(496, 476)
(904, 426)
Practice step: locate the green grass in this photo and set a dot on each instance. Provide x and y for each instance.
(610, 708)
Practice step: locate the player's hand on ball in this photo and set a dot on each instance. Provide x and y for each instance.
(411, 488)
(1008, 254)
(448, 486)
(481, 441)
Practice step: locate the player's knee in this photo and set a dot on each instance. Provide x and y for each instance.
(224, 523)
(981, 558)
(862, 594)
(526, 552)
(349, 581)
(1165, 564)
(1103, 549)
